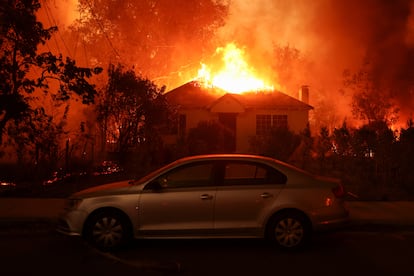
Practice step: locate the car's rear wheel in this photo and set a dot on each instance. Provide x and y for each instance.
(107, 230)
(289, 230)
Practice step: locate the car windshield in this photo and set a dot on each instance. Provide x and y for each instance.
(154, 173)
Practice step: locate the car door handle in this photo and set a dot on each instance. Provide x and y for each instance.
(206, 196)
(266, 195)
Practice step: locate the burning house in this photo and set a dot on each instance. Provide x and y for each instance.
(235, 97)
(244, 115)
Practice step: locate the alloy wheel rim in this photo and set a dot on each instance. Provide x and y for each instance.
(107, 232)
(289, 232)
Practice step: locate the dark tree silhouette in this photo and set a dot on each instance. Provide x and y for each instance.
(25, 72)
(207, 137)
(29, 77)
(406, 157)
(130, 110)
(323, 147)
(279, 143)
(371, 100)
(341, 138)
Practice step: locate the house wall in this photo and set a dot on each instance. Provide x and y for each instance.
(194, 116)
(246, 122)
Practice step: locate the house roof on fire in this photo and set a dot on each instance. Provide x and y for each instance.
(195, 95)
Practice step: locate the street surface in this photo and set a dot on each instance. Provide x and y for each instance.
(341, 253)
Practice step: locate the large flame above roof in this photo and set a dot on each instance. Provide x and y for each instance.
(235, 76)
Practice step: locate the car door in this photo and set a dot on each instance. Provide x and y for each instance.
(247, 193)
(183, 205)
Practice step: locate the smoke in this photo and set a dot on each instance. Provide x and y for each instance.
(336, 35)
(60, 13)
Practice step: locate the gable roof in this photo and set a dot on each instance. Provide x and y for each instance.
(194, 95)
(226, 103)
(269, 100)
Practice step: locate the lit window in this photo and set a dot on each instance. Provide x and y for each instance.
(280, 121)
(264, 123)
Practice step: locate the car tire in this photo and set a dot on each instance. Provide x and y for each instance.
(289, 230)
(108, 230)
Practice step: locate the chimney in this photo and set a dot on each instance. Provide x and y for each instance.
(304, 94)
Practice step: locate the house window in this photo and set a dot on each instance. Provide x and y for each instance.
(264, 123)
(280, 121)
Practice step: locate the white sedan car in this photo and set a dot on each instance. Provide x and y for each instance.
(209, 196)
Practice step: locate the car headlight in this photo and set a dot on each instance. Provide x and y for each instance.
(73, 203)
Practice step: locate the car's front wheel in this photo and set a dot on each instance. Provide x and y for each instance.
(107, 230)
(289, 230)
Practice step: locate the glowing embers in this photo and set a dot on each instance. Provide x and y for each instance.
(235, 76)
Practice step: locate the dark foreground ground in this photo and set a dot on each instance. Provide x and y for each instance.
(379, 252)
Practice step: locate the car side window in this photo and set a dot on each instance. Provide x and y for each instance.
(194, 175)
(249, 173)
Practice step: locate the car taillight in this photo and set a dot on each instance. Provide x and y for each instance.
(339, 191)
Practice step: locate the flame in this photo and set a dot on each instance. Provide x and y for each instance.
(236, 76)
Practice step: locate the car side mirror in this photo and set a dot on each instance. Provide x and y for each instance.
(154, 186)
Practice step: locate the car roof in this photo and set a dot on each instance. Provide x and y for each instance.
(224, 156)
(240, 156)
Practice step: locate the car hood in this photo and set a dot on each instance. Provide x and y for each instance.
(116, 188)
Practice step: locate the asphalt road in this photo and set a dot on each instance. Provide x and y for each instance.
(343, 253)
(53, 254)
(339, 253)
